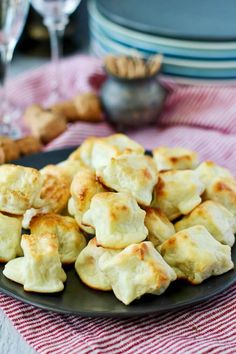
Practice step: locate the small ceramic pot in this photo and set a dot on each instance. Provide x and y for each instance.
(130, 103)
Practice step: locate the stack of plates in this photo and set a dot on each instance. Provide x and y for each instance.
(197, 38)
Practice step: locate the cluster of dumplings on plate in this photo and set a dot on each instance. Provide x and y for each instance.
(129, 222)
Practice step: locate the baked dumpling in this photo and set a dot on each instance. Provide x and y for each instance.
(132, 173)
(176, 158)
(55, 190)
(209, 170)
(71, 240)
(195, 255)
(159, 226)
(10, 237)
(40, 269)
(84, 152)
(117, 219)
(177, 192)
(84, 186)
(114, 145)
(20, 189)
(71, 167)
(135, 271)
(15, 270)
(97, 152)
(223, 191)
(87, 267)
(215, 217)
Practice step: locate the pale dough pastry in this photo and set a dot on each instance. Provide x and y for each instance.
(177, 192)
(40, 269)
(159, 226)
(20, 189)
(133, 173)
(195, 255)
(117, 220)
(175, 158)
(71, 167)
(106, 148)
(215, 217)
(223, 191)
(97, 152)
(10, 237)
(209, 170)
(84, 186)
(55, 190)
(70, 238)
(135, 271)
(87, 267)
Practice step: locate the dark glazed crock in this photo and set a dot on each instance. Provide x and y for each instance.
(130, 103)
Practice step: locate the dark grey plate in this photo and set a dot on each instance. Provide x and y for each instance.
(78, 299)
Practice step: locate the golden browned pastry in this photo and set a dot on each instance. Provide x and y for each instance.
(223, 191)
(176, 158)
(84, 151)
(71, 167)
(44, 124)
(117, 219)
(113, 146)
(70, 238)
(28, 145)
(20, 189)
(159, 226)
(137, 270)
(195, 255)
(215, 217)
(209, 170)
(132, 173)
(97, 152)
(177, 192)
(40, 269)
(66, 108)
(88, 107)
(87, 267)
(8, 149)
(10, 237)
(55, 190)
(84, 186)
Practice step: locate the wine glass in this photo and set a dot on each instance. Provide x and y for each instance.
(12, 19)
(55, 17)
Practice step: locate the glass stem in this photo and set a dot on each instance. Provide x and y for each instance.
(56, 30)
(6, 53)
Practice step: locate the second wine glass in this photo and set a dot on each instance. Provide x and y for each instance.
(55, 17)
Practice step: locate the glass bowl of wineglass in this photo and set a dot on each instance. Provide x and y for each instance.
(55, 15)
(13, 15)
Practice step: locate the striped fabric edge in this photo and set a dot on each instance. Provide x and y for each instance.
(185, 331)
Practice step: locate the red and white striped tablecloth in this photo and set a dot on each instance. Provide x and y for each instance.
(199, 117)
